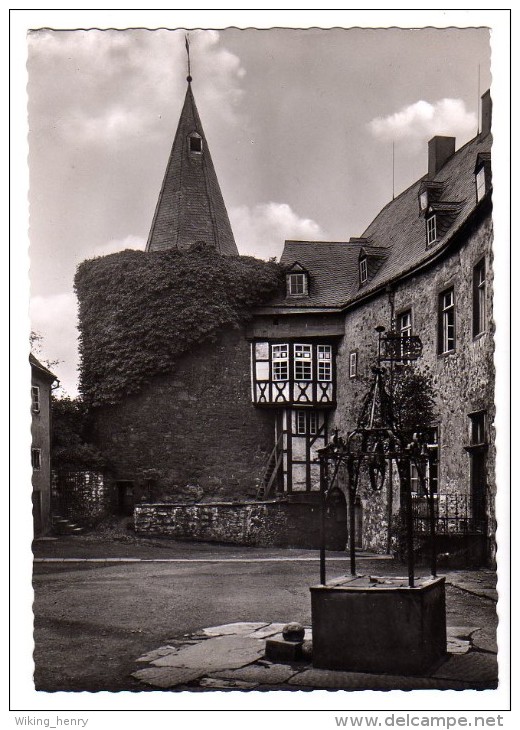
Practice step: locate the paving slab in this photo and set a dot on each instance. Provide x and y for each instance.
(460, 632)
(166, 677)
(156, 653)
(267, 631)
(217, 683)
(458, 646)
(471, 667)
(272, 674)
(242, 628)
(484, 641)
(220, 652)
(331, 679)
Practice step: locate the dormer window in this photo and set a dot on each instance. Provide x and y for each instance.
(482, 174)
(480, 179)
(481, 183)
(297, 280)
(431, 229)
(297, 284)
(430, 192)
(363, 270)
(195, 143)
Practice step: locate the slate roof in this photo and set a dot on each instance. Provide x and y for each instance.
(190, 208)
(399, 229)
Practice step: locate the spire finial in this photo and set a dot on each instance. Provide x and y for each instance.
(187, 41)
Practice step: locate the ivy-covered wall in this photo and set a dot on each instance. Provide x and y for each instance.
(139, 313)
(165, 370)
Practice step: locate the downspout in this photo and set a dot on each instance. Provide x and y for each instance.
(390, 493)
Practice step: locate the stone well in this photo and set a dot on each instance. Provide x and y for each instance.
(368, 624)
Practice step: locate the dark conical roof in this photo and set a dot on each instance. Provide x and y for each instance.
(190, 208)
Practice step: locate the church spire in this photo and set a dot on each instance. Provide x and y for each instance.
(190, 208)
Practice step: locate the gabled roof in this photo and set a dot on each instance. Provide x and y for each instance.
(190, 208)
(36, 364)
(398, 232)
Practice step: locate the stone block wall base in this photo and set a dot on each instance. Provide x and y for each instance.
(281, 651)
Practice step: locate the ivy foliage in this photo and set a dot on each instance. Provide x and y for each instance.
(139, 312)
(70, 447)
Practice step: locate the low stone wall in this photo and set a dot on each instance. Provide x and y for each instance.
(262, 524)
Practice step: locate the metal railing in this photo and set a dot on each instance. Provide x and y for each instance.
(454, 514)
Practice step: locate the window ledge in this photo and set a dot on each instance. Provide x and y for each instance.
(447, 353)
(480, 335)
(476, 448)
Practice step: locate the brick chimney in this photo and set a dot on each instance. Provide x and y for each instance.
(485, 111)
(440, 149)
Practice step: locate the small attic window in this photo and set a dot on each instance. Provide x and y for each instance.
(363, 270)
(423, 200)
(297, 284)
(195, 143)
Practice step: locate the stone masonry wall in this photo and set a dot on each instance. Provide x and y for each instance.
(263, 524)
(463, 380)
(193, 434)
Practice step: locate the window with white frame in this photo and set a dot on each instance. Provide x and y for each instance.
(324, 363)
(280, 362)
(404, 323)
(303, 362)
(36, 459)
(404, 329)
(363, 270)
(297, 284)
(306, 422)
(353, 365)
(301, 429)
(446, 335)
(479, 298)
(431, 229)
(35, 399)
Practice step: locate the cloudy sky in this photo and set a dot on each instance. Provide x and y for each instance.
(300, 123)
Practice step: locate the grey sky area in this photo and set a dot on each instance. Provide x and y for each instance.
(300, 125)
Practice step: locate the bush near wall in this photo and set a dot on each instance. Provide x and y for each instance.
(81, 496)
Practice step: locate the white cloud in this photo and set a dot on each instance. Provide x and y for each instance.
(134, 242)
(262, 230)
(115, 85)
(423, 120)
(54, 318)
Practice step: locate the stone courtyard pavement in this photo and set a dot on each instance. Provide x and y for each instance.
(232, 657)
